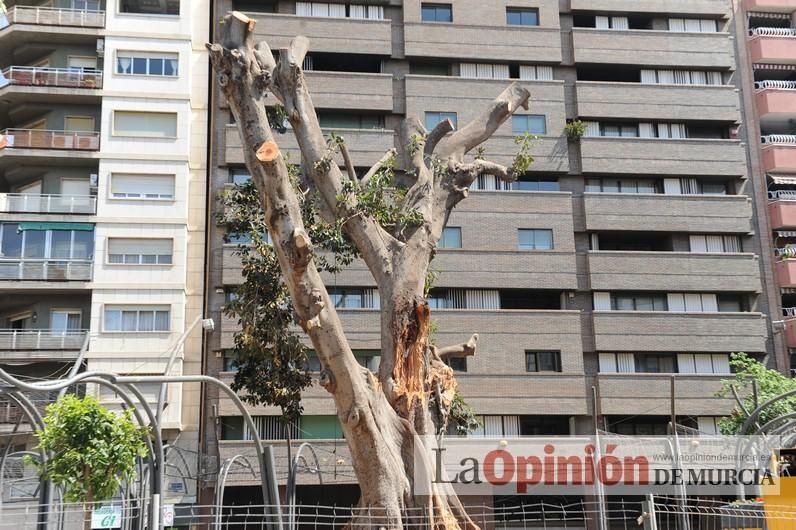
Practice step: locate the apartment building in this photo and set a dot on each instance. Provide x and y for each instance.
(769, 51)
(620, 271)
(103, 169)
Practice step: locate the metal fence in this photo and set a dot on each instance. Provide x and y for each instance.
(44, 139)
(45, 269)
(47, 203)
(54, 77)
(42, 339)
(55, 17)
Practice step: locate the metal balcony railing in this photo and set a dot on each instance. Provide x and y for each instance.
(54, 77)
(41, 339)
(49, 16)
(789, 311)
(45, 269)
(779, 139)
(774, 83)
(782, 195)
(788, 252)
(43, 203)
(44, 139)
(773, 32)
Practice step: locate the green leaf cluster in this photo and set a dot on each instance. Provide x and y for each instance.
(575, 130)
(462, 416)
(770, 383)
(93, 450)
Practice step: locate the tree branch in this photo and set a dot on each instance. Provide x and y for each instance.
(349, 166)
(482, 128)
(377, 166)
(437, 134)
(466, 349)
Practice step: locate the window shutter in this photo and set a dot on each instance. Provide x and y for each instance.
(602, 22)
(648, 77)
(645, 130)
(592, 128)
(721, 363)
(595, 241)
(676, 302)
(715, 244)
(619, 23)
(372, 299)
(679, 130)
(307, 64)
(139, 246)
(304, 9)
(699, 78)
(376, 12)
(666, 77)
(482, 299)
(676, 24)
(685, 363)
(698, 243)
(689, 186)
(703, 363)
(337, 10)
(710, 303)
(511, 425)
(544, 73)
(715, 78)
(602, 301)
(154, 186)
(456, 299)
(319, 9)
(693, 302)
(608, 363)
(693, 25)
(500, 71)
(468, 70)
(625, 363)
(671, 187)
(707, 425)
(358, 11)
(493, 426)
(731, 243)
(708, 26)
(664, 131)
(527, 73)
(484, 71)
(682, 77)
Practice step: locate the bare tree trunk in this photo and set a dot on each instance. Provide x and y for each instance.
(414, 388)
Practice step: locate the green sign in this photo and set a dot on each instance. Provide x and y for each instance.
(106, 516)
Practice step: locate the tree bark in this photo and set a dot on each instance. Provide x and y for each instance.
(379, 415)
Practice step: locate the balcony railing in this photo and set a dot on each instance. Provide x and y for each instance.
(779, 139)
(789, 311)
(773, 32)
(36, 203)
(775, 83)
(41, 339)
(44, 139)
(45, 269)
(782, 195)
(48, 16)
(55, 77)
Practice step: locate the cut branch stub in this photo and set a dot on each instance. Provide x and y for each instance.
(268, 152)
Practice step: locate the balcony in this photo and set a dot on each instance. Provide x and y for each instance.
(782, 209)
(494, 43)
(366, 146)
(785, 269)
(670, 331)
(326, 34)
(776, 102)
(48, 204)
(27, 344)
(51, 270)
(773, 45)
(48, 16)
(638, 393)
(11, 139)
(654, 48)
(665, 157)
(669, 213)
(657, 102)
(779, 153)
(673, 271)
(349, 90)
(52, 77)
(771, 6)
(671, 7)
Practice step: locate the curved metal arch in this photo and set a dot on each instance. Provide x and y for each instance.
(756, 413)
(222, 481)
(291, 481)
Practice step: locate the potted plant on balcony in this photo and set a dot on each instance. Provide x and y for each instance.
(575, 130)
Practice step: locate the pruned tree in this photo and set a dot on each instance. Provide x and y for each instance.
(414, 388)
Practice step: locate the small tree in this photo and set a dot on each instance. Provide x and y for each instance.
(770, 384)
(575, 130)
(92, 450)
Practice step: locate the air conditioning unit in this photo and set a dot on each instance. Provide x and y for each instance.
(100, 47)
(93, 180)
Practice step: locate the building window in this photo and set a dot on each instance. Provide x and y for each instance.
(522, 16)
(342, 120)
(145, 124)
(542, 361)
(140, 251)
(451, 237)
(354, 298)
(613, 185)
(137, 319)
(434, 118)
(239, 176)
(323, 9)
(457, 364)
(535, 239)
(140, 63)
(717, 244)
(638, 302)
(656, 363)
(528, 183)
(484, 71)
(619, 130)
(533, 123)
(46, 241)
(695, 25)
(436, 13)
(148, 7)
(142, 187)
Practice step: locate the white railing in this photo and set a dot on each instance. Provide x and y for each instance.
(789, 311)
(783, 195)
(43, 203)
(56, 77)
(44, 139)
(780, 139)
(774, 32)
(45, 269)
(41, 339)
(50, 16)
(773, 83)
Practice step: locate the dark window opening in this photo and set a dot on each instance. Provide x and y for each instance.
(544, 425)
(612, 22)
(457, 364)
(635, 241)
(231, 427)
(717, 132)
(530, 299)
(529, 182)
(429, 68)
(639, 302)
(254, 6)
(522, 16)
(542, 361)
(343, 120)
(344, 62)
(609, 73)
(656, 363)
(639, 425)
(148, 7)
(436, 13)
(732, 303)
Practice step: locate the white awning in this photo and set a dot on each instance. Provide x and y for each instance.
(788, 290)
(761, 66)
(785, 233)
(758, 14)
(779, 179)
